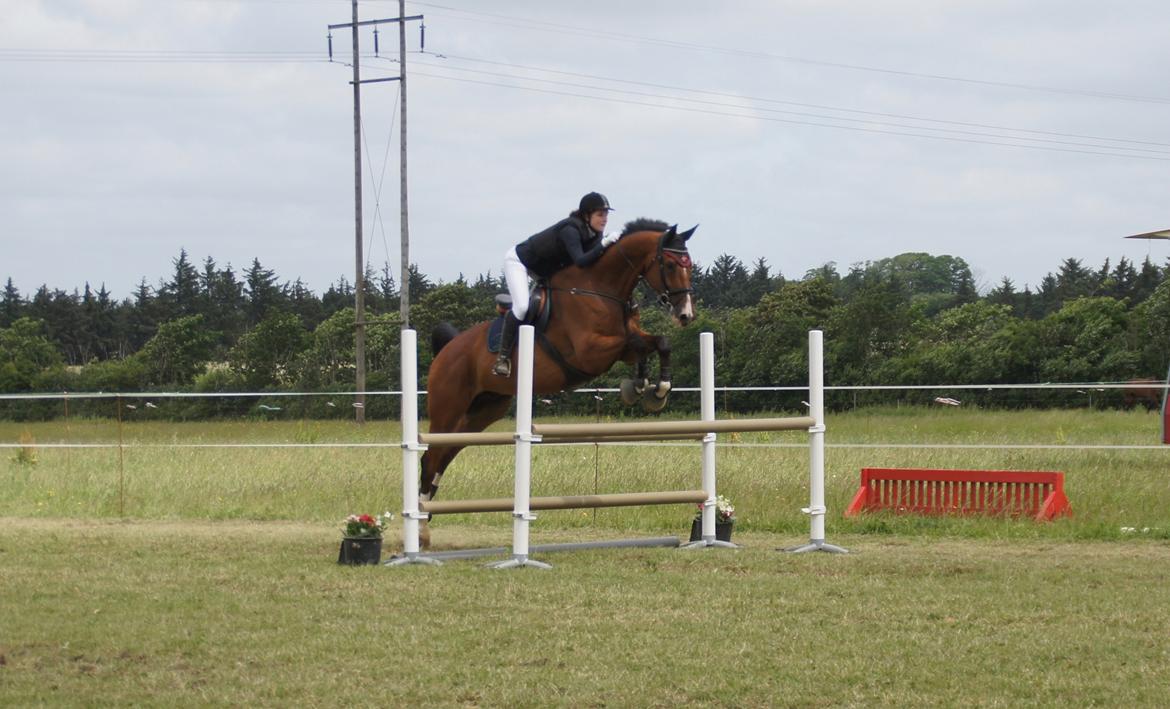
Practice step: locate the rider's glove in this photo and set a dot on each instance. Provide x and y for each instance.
(609, 239)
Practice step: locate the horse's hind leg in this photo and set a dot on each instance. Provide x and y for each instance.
(485, 409)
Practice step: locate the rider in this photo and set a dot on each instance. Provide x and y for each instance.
(576, 240)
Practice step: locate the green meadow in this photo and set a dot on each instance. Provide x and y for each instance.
(195, 565)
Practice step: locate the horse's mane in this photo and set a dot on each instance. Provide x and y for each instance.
(644, 224)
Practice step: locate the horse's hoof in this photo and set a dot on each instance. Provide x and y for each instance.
(631, 392)
(654, 399)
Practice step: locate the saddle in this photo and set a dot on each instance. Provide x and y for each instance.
(539, 315)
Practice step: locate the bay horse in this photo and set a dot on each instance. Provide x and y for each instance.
(1150, 397)
(593, 325)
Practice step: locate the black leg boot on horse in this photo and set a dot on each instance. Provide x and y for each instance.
(503, 365)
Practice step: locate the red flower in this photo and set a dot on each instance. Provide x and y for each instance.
(366, 519)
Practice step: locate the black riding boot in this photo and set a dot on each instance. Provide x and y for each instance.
(503, 365)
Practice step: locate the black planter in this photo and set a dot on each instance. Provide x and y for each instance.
(360, 550)
(722, 530)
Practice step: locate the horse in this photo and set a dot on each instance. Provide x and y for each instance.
(1150, 397)
(593, 325)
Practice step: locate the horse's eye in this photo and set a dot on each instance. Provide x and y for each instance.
(670, 266)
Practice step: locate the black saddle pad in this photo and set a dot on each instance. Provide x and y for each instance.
(494, 332)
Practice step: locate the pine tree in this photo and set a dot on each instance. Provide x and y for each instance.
(1004, 294)
(338, 297)
(142, 318)
(420, 285)
(1122, 280)
(262, 292)
(11, 305)
(181, 294)
(1146, 282)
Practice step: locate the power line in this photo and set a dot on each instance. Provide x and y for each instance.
(539, 25)
(815, 115)
(610, 99)
(797, 103)
(152, 56)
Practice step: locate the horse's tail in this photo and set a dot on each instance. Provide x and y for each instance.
(443, 333)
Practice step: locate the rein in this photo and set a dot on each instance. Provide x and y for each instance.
(679, 256)
(585, 291)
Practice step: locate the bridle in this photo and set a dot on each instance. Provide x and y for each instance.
(679, 256)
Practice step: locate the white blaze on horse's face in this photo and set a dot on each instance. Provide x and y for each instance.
(684, 313)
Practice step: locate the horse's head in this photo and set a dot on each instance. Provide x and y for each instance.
(670, 274)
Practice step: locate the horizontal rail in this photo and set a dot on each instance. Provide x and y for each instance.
(629, 439)
(569, 502)
(583, 430)
(507, 438)
(482, 438)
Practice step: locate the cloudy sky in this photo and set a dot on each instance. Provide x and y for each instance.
(1013, 134)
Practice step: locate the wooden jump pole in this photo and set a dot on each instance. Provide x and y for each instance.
(505, 438)
(566, 502)
(651, 428)
(408, 361)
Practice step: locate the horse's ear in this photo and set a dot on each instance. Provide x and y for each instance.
(688, 233)
(673, 229)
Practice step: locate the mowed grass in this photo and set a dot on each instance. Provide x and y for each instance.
(169, 575)
(109, 613)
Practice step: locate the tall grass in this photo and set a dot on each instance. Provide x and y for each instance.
(155, 477)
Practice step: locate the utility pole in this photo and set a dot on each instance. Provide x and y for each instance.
(359, 269)
(359, 299)
(404, 269)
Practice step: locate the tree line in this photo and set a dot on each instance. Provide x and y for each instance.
(909, 319)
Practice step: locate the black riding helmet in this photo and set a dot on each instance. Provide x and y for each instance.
(594, 202)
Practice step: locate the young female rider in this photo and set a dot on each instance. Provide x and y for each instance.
(576, 240)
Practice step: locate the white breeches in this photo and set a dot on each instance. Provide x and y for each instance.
(516, 276)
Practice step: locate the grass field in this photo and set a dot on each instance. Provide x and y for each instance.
(111, 613)
(194, 576)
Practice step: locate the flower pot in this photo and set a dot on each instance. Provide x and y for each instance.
(722, 530)
(360, 550)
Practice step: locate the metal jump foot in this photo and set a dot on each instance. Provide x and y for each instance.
(705, 543)
(815, 545)
(516, 562)
(412, 558)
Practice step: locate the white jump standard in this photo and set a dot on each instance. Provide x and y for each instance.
(411, 448)
(527, 433)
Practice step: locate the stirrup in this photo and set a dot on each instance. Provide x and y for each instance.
(502, 367)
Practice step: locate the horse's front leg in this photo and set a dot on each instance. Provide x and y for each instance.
(654, 399)
(635, 354)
